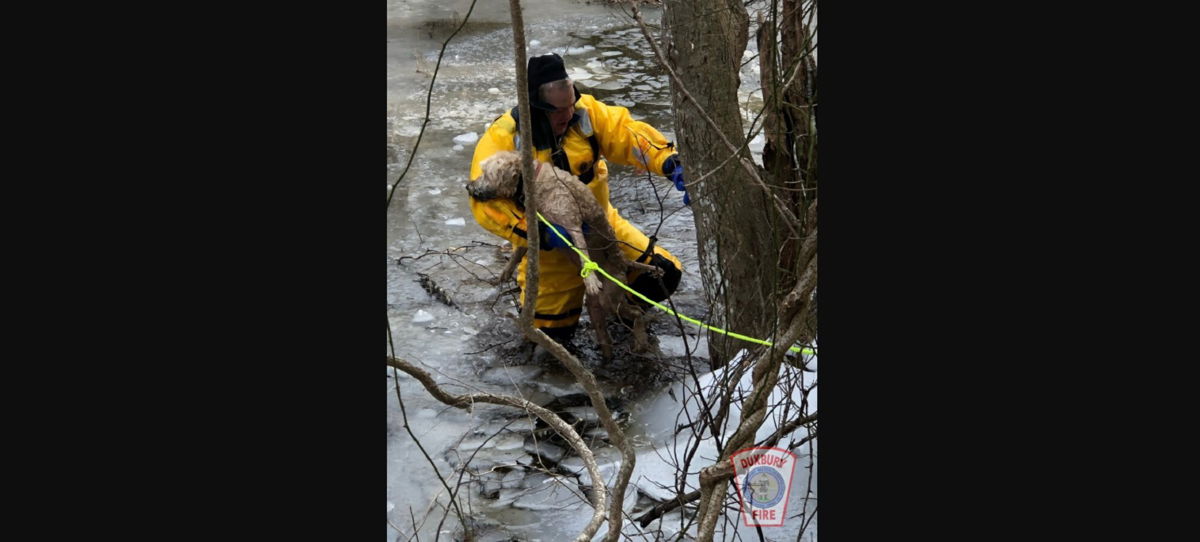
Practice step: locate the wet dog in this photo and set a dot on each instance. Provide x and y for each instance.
(564, 200)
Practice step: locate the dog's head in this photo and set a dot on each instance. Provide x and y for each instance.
(501, 174)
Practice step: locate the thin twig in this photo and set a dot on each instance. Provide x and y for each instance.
(415, 534)
(428, 102)
(407, 428)
(492, 346)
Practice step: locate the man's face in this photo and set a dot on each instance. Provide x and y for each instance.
(564, 104)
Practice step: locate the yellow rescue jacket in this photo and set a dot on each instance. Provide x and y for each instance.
(616, 135)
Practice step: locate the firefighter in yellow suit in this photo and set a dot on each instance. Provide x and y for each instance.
(575, 132)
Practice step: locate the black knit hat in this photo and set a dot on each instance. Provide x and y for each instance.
(544, 69)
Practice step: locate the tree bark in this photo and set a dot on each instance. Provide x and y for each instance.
(736, 224)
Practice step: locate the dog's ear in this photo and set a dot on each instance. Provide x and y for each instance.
(514, 174)
(504, 175)
(497, 184)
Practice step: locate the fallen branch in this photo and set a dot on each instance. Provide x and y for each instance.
(667, 506)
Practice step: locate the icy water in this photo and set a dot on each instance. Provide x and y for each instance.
(522, 482)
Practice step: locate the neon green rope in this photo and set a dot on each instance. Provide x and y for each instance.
(589, 266)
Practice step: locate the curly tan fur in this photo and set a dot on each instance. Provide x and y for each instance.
(564, 200)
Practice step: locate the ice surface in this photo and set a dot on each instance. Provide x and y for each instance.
(544, 449)
(511, 374)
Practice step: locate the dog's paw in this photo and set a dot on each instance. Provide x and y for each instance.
(592, 285)
(646, 347)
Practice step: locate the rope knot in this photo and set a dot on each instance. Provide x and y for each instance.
(588, 268)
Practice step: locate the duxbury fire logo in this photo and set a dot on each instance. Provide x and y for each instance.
(762, 477)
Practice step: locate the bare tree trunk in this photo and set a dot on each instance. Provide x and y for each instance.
(737, 245)
(788, 75)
